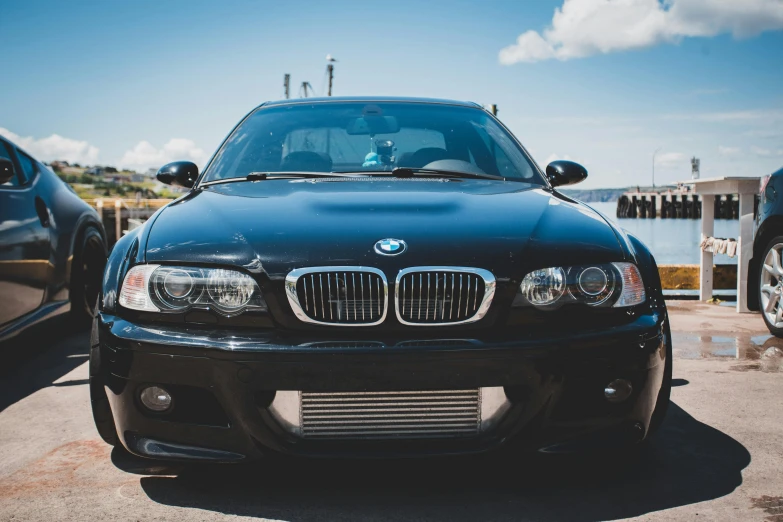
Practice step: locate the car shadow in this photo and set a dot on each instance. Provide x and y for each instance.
(40, 356)
(687, 462)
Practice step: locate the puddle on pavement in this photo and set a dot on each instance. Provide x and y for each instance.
(760, 352)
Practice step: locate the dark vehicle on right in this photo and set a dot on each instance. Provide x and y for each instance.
(766, 267)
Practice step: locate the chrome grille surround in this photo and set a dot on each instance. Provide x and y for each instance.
(321, 286)
(454, 279)
(390, 414)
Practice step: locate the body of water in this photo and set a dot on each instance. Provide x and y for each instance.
(673, 241)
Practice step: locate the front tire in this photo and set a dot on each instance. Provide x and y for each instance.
(89, 260)
(664, 394)
(101, 410)
(770, 286)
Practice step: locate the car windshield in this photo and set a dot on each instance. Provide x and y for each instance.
(370, 137)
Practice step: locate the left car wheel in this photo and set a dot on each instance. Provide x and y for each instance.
(89, 260)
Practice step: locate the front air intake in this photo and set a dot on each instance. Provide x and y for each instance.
(393, 414)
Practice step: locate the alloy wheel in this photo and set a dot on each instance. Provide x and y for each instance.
(771, 283)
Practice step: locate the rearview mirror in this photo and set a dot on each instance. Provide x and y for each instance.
(372, 124)
(6, 170)
(178, 173)
(564, 172)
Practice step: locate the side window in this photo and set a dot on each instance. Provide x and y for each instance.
(5, 152)
(28, 167)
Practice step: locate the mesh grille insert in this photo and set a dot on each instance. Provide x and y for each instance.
(388, 415)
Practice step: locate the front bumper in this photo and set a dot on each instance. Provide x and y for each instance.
(226, 382)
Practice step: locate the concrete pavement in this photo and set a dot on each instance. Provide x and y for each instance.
(719, 455)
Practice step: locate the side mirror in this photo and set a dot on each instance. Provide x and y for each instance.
(178, 173)
(564, 172)
(6, 170)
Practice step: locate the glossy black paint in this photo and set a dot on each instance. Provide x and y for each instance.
(767, 225)
(41, 223)
(554, 365)
(178, 173)
(563, 172)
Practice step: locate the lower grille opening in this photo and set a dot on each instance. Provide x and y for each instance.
(390, 415)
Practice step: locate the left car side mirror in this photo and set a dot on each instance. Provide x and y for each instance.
(564, 172)
(178, 173)
(6, 170)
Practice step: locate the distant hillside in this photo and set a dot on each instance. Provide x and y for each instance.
(609, 194)
(595, 195)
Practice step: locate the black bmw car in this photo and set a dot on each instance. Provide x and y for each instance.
(377, 277)
(52, 246)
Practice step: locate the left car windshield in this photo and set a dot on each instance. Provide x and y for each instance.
(371, 137)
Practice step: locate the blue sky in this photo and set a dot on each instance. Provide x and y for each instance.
(139, 83)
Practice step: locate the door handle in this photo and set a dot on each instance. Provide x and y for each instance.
(42, 211)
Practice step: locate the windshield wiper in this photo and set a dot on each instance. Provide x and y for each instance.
(260, 176)
(409, 172)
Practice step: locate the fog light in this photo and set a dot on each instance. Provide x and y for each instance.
(618, 390)
(155, 398)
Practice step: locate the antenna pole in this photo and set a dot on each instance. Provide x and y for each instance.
(330, 71)
(653, 165)
(287, 85)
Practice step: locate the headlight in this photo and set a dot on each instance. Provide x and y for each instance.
(605, 285)
(176, 289)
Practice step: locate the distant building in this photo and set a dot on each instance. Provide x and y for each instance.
(59, 165)
(95, 171)
(151, 172)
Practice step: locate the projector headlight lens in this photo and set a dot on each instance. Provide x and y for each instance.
(178, 284)
(592, 281)
(176, 289)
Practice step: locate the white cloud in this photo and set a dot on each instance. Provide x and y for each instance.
(144, 155)
(55, 147)
(587, 27)
(728, 151)
(764, 115)
(767, 153)
(671, 159)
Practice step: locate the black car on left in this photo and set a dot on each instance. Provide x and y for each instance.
(52, 246)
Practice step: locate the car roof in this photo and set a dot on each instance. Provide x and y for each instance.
(370, 99)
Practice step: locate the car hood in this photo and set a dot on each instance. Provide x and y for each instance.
(275, 226)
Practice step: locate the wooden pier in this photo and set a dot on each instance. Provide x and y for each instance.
(122, 214)
(674, 204)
